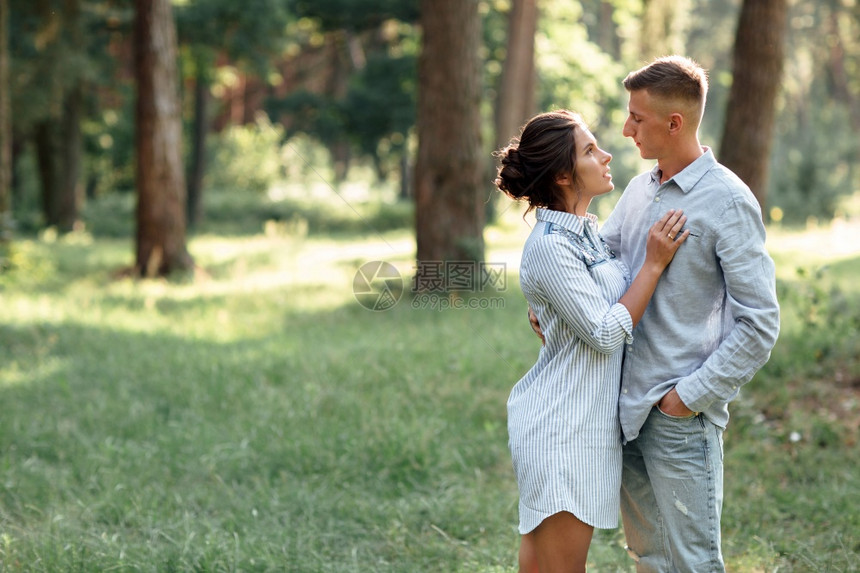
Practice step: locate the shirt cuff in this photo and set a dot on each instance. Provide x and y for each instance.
(620, 313)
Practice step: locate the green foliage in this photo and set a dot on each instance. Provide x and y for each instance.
(380, 104)
(108, 144)
(230, 213)
(319, 116)
(111, 215)
(52, 50)
(376, 111)
(355, 15)
(824, 323)
(585, 79)
(807, 183)
(251, 32)
(245, 158)
(236, 211)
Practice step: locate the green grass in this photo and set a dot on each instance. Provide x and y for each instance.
(254, 417)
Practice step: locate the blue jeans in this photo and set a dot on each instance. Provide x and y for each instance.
(672, 495)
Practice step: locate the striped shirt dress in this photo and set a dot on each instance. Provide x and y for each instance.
(564, 432)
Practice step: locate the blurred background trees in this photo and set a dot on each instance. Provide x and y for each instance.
(284, 101)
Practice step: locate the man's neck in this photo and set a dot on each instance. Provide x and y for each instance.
(680, 158)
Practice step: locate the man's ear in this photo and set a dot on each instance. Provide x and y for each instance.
(676, 123)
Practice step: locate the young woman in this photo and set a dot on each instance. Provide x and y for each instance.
(565, 438)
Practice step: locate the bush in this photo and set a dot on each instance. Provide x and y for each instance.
(245, 158)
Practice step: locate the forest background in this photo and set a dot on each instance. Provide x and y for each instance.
(242, 409)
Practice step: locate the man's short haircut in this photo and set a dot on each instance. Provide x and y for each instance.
(673, 78)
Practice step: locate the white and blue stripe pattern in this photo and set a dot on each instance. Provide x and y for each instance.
(565, 438)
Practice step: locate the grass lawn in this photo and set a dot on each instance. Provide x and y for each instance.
(255, 417)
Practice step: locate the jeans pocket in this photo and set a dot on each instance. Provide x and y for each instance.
(671, 417)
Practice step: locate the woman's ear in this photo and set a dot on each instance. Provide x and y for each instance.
(563, 180)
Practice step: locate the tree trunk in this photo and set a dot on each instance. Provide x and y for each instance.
(198, 145)
(71, 145)
(607, 32)
(337, 86)
(160, 178)
(70, 191)
(516, 92)
(449, 204)
(47, 157)
(757, 76)
(5, 131)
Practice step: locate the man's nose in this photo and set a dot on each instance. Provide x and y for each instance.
(627, 131)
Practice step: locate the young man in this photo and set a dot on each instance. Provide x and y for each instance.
(710, 326)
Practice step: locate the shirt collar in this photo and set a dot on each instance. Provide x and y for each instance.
(569, 221)
(691, 174)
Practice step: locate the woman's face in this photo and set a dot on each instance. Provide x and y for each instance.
(592, 166)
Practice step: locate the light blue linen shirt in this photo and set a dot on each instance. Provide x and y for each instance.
(714, 317)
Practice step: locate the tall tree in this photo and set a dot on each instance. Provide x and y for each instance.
(449, 203)
(70, 185)
(59, 71)
(200, 127)
(160, 179)
(517, 90)
(5, 129)
(757, 75)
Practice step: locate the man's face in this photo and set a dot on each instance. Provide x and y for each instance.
(646, 125)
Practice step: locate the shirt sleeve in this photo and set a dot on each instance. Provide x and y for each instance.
(565, 283)
(749, 277)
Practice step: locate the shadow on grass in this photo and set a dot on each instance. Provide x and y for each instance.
(348, 438)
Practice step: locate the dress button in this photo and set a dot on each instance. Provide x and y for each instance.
(656, 199)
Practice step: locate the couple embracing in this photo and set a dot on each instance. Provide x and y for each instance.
(650, 325)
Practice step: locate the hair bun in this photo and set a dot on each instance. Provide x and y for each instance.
(511, 173)
(511, 156)
(545, 148)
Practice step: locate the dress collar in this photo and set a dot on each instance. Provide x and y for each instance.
(569, 221)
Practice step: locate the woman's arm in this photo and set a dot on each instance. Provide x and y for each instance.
(662, 243)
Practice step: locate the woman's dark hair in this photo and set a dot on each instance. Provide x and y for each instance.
(531, 162)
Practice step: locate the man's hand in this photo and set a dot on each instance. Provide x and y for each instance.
(533, 321)
(672, 405)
